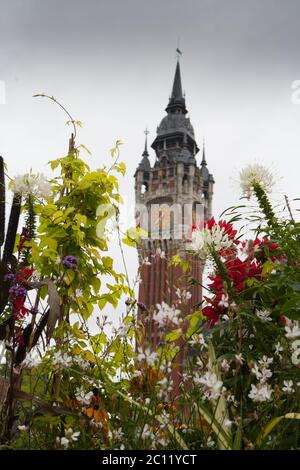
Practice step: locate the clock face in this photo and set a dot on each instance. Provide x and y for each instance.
(160, 216)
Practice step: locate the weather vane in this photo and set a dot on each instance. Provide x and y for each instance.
(178, 51)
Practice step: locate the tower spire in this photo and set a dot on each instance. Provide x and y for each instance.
(145, 162)
(177, 86)
(177, 99)
(145, 153)
(203, 162)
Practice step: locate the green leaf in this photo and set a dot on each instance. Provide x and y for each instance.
(86, 149)
(238, 438)
(121, 168)
(96, 283)
(102, 302)
(272, 424)
(173, 335)
(221, 434)
(69, 276)
(107, 262)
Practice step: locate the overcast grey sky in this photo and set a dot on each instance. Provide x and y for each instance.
(112, 64)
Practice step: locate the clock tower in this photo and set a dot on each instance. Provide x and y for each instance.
(170, 195)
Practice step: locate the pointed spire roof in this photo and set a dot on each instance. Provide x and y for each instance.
(177, 99)
(204, 170)
(177, 87)
(145, 163)
(203, 162)
(145, 153)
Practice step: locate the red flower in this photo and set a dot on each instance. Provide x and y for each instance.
(228, 229)
(19, 309)
(24, 275)
(211, 314)
(217, 283)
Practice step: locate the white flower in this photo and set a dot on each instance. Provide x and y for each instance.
(78, 293)
(116, 434)
(262, 374)
(69, 437)
(255, 174)
(72, 436)
(30, 361)
(224, 301)
(227, 423)
(63, 441)
(183, 295)
(137, 373)
(199, 363)
(278, 349)
(261, 392)
(122, 330)
(149, 356)
(225, 365)
(264, 315)
(239, 359)
(230, 398)
(166, 314)
(23, 428)
(58, 260)
(83, 397)
(210, 442)
(288, 386)
(205, 239)
(292, 328)
(82, 363)
(163, 382)
(265, 361)
(147, 433)
(198, 339)
(211, 385)
(62, 360)
(30, 184)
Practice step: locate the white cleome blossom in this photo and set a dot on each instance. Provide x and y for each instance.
(260, 392)
(166, 314)
(31, 184)
(204, 240)
(211, 385)
(255, 174)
